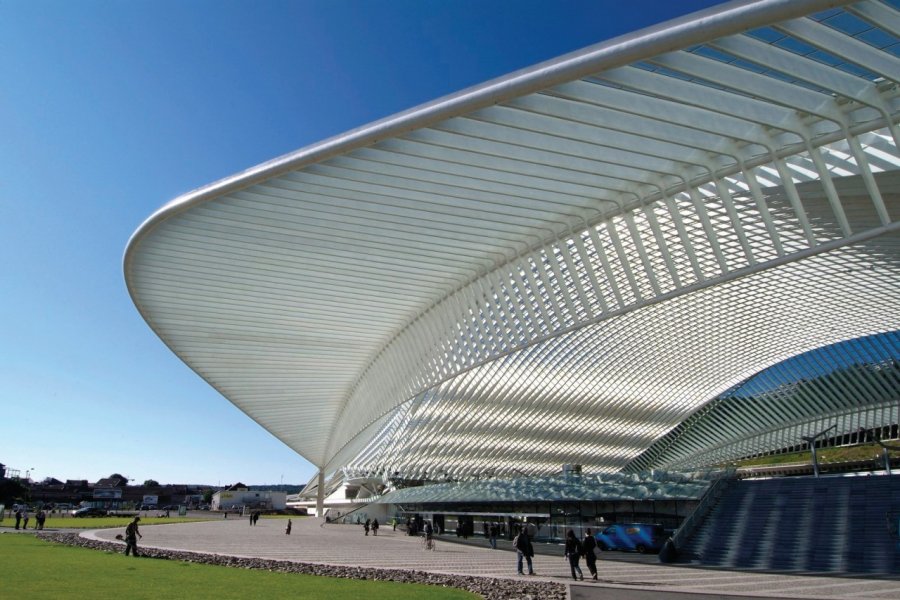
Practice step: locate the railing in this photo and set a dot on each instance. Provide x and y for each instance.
(709, 499)
(876, 463)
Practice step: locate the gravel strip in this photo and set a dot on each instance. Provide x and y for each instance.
(488, 588)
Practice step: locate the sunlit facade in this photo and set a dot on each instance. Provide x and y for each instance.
(579, 263)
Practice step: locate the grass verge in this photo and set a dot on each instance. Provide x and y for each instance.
(825, 455)
(93, 522)
(37, 569)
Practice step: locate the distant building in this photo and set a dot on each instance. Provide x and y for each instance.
(238, 496)
(111, 483)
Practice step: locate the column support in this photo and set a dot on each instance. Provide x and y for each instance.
(320, 495)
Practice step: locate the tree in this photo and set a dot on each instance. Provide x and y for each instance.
(151, 483)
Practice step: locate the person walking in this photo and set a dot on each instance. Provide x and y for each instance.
(25, 518)
(429, 536)
(590, 557)
(287, 530)
(374, 526)
(492, 532)
(573, 553)
(525, 550)
(131, 535)
(18, 517)
(366, 526)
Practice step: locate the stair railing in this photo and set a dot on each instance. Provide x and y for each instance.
(707, 501)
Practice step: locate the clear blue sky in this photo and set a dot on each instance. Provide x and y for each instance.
(111, 108)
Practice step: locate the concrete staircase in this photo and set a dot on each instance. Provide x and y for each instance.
(834, 524)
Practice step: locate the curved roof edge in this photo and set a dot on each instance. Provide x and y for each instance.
(421, 352)
(717, 21)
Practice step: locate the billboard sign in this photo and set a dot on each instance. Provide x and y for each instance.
(108, 494)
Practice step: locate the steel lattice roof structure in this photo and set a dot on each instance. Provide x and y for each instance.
(570, 264)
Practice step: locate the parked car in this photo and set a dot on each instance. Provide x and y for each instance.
(632, 537)
(89, 511)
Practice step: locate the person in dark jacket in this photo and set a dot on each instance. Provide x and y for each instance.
(131, 535)
(573, 553)
(588, 545)
(524, 549)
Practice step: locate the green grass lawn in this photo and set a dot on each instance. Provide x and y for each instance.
(92, 522)
(68, 522)
(37, 569)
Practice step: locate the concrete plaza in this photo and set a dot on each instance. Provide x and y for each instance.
(313, 541)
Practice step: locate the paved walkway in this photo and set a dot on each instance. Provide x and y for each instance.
(346, 545)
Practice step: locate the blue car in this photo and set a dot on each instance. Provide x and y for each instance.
(632, 537)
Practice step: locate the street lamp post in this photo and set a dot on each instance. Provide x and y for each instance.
(812, 446)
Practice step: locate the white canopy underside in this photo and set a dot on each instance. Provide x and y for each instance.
(559, 266)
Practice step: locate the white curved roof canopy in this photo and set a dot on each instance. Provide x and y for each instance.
(559, 266)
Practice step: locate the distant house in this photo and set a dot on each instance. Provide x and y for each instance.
(110, 489)
(111, 482)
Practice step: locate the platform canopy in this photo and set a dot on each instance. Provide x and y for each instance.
(569, 264)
